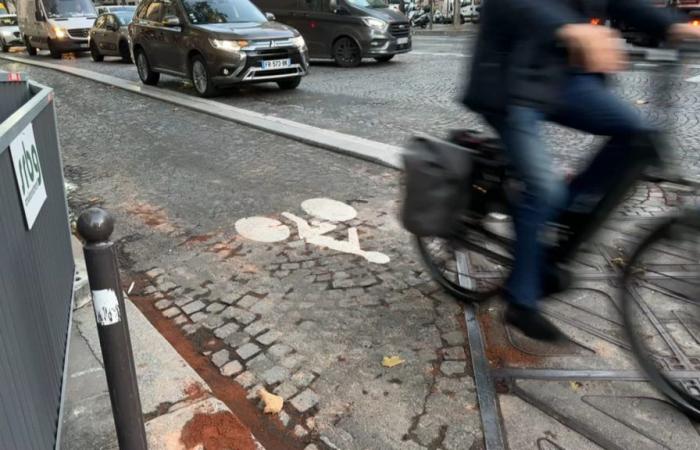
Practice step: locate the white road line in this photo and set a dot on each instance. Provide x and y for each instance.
(426, 44)
(439, 38)
(695, 79)
(459, 55)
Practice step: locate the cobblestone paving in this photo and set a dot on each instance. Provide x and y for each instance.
(312, 326)
(308, 323)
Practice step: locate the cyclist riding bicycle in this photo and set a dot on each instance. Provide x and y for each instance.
(545, 60)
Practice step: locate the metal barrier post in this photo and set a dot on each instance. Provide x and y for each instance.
(95, 226)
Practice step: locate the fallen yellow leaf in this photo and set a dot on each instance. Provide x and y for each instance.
(575, 385)
(273, 403)
(392, 361)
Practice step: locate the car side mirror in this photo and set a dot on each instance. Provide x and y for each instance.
(271, 17)
(171, 22)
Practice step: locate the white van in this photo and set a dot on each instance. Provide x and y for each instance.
(59, 26)
(470, 11)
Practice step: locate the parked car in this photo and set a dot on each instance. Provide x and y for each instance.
(345, 30)
(56, 25)
(9, 32)
(110, 36)
(104, 9)
(215, 43)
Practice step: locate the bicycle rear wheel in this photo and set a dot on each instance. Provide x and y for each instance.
(661, 309)
(473, 264)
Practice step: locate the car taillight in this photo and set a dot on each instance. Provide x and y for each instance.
(595, 21)
(695, 23)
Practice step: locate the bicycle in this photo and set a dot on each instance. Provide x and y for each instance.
(473, 260)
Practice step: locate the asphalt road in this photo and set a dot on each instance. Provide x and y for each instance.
(386, 102)
(421, 90)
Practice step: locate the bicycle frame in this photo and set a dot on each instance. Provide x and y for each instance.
(575, 228)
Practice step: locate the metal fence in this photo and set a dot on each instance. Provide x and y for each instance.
(36, 273)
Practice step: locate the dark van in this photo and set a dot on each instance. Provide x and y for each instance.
(345, 30)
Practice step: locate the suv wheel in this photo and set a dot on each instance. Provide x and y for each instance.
(124, 52)
(200, 77)
(347, 53)
(289, 83)
(144, 69)
(5, 47)
(55, 54)
(95, 53)
(31, 50)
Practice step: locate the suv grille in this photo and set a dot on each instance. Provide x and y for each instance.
(275, 52)
(400, 29)
(79, 32)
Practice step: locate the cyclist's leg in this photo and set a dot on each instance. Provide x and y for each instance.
(590, 106)
(544, 192)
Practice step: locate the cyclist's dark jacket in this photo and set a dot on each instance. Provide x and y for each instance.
(517, 59)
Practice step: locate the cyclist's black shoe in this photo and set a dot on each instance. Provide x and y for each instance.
(532, 323)
(556, 279)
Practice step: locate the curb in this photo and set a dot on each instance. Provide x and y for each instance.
(81, 287)
(159, 383)
(376, 152)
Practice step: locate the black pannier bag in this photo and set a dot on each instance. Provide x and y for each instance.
(437, 179)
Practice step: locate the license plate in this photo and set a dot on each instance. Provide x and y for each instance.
(401, 41)
(276, 64)
(83, 45)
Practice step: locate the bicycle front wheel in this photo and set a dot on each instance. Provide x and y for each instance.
(472, 265)
(661, 309)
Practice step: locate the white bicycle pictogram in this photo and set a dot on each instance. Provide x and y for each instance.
(269, 230)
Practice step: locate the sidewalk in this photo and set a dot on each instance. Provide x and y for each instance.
(178, 406)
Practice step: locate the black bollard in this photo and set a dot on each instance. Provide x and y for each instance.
(95, 227)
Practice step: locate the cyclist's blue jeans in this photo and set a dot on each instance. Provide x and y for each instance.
(590, 107)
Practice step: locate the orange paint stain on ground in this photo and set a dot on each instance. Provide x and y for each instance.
(151, 216)
(218, 431)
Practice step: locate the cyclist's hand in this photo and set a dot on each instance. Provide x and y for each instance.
(684, 31)
(594, 48)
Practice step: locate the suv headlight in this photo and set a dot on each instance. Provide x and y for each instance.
(227, 45)
(375, 24)
(299, 42)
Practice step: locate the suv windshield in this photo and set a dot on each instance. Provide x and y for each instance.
(9, 21)
(68, 8)
(369, 3)
(124, 16)
(222, 11)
